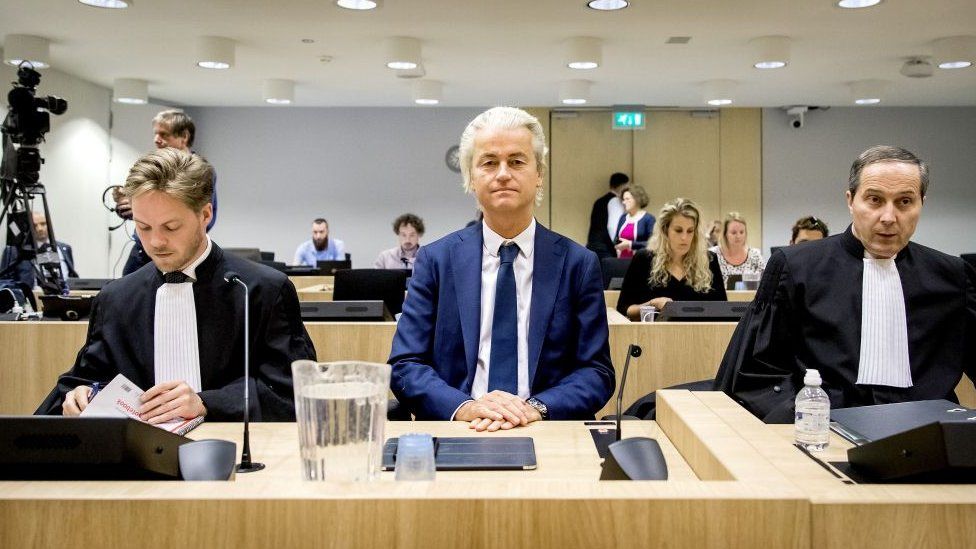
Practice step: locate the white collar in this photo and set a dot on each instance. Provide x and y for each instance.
(525, 240)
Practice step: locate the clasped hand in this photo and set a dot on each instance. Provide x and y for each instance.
(161, 403)
(497, 410)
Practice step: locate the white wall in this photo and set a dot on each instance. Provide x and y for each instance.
(76, 167)
(279, 168)
(805, 170)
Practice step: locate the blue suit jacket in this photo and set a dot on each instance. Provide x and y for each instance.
(435, 349)
(645, 226)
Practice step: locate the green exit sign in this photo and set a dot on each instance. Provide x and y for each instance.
(629, 120)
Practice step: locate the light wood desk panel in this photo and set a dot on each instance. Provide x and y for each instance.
(561, 504)
(843, 515)
(306, 281)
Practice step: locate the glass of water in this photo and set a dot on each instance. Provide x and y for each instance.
(341, 414)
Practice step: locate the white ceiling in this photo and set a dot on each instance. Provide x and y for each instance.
(492, 52)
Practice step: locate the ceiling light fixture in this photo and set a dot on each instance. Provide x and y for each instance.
(856, 4)
(584, 53)
(574, 92)
(110, 4)
(427, 92)
(868, 92)
(770, 52)
(402, 53)
(18, 48)
(358, 5)
(718, 93)
(130, 91)
(278, 91)
(607, 5)
(955, 52)
(214, 52)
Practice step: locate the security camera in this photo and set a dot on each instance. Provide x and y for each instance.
(796, 116)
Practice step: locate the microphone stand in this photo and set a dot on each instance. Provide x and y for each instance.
(246, 465)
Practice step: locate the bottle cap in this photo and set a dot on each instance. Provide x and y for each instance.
(812, 377)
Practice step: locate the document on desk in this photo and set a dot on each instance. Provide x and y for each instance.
(120, 398)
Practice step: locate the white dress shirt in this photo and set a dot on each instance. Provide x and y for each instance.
(615, 209)
(884, 327)
(490, 262)
(176, 351)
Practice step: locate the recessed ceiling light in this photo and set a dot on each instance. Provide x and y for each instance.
(855, 4)
(770, 52)
(24, 48)
(427, 92)
(868, 92)
(279, 91)
(110, 4)
(954, 52)
(583, 53)
(214, 52)
(402, 53)
(359, 5)
(607, 5)
(574, 92)
(718, 93)
(130, 91)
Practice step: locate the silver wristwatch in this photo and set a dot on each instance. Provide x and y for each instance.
(540, 406)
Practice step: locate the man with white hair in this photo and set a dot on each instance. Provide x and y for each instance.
(504, 321)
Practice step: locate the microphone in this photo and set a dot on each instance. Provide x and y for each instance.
(406, 262)
(246, 465)
(633, 350)
(635, 458)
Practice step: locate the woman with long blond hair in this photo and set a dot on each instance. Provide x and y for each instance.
(675, 267)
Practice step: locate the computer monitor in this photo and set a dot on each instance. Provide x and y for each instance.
(66, 307)
(329, 268)
(88, 283)
(704, 311)
(267, 256)
(83, 448)
(387, 285)
(613, 267)
(252, 254)
(731, 280)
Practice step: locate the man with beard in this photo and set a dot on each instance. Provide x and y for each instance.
(320, 247)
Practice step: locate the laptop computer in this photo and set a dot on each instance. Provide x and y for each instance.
(474, 454)
(867, 423)
(704, 311)
(330, 267)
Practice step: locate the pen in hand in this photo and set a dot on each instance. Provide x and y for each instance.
(95, 388)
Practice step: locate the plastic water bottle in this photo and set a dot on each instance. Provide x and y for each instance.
(812, 419)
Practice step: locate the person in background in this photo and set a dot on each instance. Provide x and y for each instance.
(734, 256)
(504, 323)
(171, 128)
(715, 233)
(882, 318)
(603, 218)
(408, 228)
(808, 228)
(676, 267)
(23, 271)
(320, 247)
(635, 225)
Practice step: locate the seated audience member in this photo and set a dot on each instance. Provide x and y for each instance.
(504, 322)
(22, 271)
(320, 247)
(715, 233)
(808, 228)
(175, 327)
(676, 267)
(635, 225)
(734, 256)
(882, 318)
(603, 218)
(408, 228)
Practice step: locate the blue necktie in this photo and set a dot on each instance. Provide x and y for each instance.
(503, 362)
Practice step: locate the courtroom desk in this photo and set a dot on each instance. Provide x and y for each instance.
(843, 515)
(612, 296)
(312, 280)
(317, 292)
(36, 353)
(559, 505)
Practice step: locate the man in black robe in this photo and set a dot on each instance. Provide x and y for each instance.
(814, 308)
(175, 327)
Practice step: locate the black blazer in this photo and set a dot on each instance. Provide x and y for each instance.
(597, 238)
(120, 338)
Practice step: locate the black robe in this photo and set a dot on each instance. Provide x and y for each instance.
(120, 338)
(807, 314)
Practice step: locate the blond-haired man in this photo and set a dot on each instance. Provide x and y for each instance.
(176, 328)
